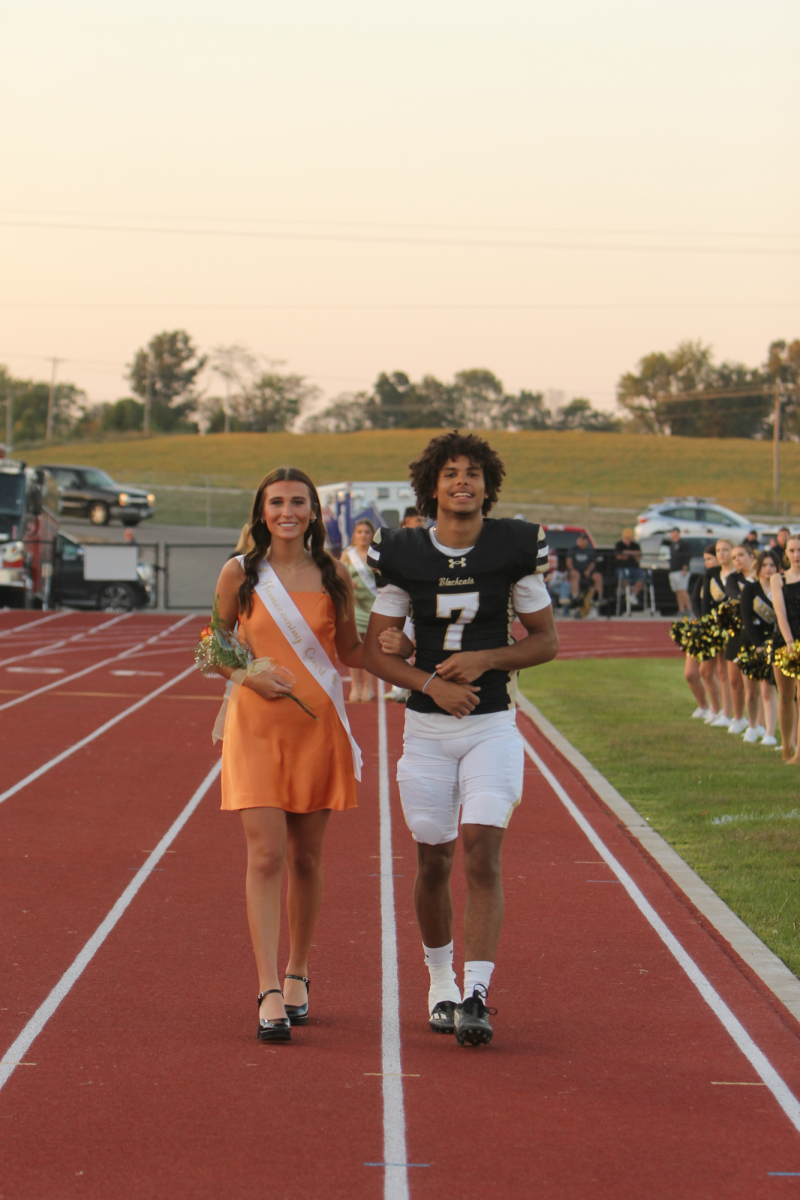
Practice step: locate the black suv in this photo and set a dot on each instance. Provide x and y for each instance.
(90, 492)
(70, 588)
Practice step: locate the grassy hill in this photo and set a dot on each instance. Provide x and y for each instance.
(600, 464)
(560, 470)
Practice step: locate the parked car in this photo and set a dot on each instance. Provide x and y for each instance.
(28, 499)
(694, 517)
(91, 492)
(71, 588)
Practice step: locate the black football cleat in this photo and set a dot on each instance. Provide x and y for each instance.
(471, 1020)
(441, 1019)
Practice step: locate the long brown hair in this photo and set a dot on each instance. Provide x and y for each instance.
(313, 540)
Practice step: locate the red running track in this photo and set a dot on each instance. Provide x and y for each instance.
(605, 1077)
(622, 638)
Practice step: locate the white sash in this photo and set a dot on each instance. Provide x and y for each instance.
(364, 573)
(306, 646)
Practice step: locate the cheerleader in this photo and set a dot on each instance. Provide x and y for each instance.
(709, 703)
(758, 625)
(744, 693)
(785, 590)
(364, 590)
(713, 595)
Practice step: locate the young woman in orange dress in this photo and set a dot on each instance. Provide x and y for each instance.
(284, 771)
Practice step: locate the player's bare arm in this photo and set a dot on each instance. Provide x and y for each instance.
(540, 645)
(457, 699)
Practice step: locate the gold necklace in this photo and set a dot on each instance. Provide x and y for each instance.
(301, 563)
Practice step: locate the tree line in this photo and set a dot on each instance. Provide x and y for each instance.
(177, 389)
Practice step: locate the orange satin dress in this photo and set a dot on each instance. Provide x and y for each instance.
(274, 755)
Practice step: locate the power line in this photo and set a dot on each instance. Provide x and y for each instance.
(395, 224)
(367, 239)
(626, 307)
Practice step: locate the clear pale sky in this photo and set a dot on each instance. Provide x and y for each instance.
(358, 140)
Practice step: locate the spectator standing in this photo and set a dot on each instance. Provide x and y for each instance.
(752, 541)
(679, 558)
(778, 544)
(627, 555)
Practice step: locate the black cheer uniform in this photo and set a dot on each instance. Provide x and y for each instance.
(461, 601)
(758, 616)
(734, 586)
(791, 599)
(713, 590)
(759, 624)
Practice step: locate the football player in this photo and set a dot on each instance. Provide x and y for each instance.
(461, 581)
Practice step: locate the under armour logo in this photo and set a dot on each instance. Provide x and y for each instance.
(457, 562)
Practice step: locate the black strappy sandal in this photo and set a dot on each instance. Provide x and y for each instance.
(298, 1013)
(279, 1030)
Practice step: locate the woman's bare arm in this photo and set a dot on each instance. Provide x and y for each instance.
(230, 580)
(348, 639)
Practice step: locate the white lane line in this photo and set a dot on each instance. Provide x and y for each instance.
(96, 666)
(756, 1057)
(39, 621)
(51, 647)
(395, 1186)
(17, 1050)
(101, 729)
(36, 670)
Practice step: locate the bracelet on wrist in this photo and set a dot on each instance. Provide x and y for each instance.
(427, 681)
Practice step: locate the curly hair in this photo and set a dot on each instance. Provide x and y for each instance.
(313, 540)
(440, 450)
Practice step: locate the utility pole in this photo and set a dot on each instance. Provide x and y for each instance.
(776, 441)
(9, 420)
(51, 400)
(148, 396)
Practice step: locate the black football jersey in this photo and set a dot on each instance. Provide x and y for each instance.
(461, 601)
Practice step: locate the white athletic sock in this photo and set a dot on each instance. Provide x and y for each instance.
(477, 974)
(439, 961)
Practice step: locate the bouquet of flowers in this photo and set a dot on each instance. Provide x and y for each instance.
(218, 647)
(788, 660)
(755, 661)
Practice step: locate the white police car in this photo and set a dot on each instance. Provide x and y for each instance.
(694, 516)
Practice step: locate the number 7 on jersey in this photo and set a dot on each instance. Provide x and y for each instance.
(466, 605)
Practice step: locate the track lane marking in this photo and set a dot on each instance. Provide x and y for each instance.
(51, 647)
(731, 1023)
(39, 621)
(97, 666)
(395, 1182)
(17, 1050)
(65, 754)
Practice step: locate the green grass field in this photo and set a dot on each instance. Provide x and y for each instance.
(731, 811)
(612, 469)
